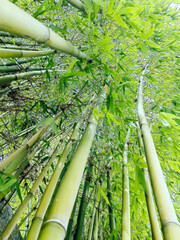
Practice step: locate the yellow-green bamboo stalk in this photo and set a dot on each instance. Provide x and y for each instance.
(77, 4)
(13, 77)
(46, 198)
(23, 24)
(126, 233)
(12, 53)
(60, 211)
(169, 221)
(16, 157)
(155, 229)
(10, 226)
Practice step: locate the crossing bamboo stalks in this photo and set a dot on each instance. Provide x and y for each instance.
(126, 235)
(12, 53)
(39, 217)
(60, 211)
(169, 221)
(155, 229)
(77, 4)
(111, 210)
(17, 157)
(23, 24)
(10, 226)
(83, 205)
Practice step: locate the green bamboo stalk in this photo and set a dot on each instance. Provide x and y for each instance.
(9, 78)
(111, 210)
(77, 4)
(5, 69)
(91, 225)
(69, 235)
(169, 221)
(155, 229)
(10, 226)
(45, 201)
(23, 24)
(19, 62)
(12, 53)
(126, 233)
(16, 157)
(60, 211)
(83, 205)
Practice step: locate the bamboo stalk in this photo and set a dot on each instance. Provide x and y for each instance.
(126, 231)
(23, 24)
(111, 210)
(77, 4)
(45, 201)
(83, 205)
(12, 53)
(155, 229)
(169, 221)
(91, 225)
(13, 160)
(9, 78)
(10, 226)
(60, 211)
(4, 69)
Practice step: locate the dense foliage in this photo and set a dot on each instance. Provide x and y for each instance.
(121, 38)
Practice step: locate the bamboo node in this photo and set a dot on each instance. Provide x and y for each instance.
(58, 221)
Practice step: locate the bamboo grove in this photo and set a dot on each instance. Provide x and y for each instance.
(89, 116)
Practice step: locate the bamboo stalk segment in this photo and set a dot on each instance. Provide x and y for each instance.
(60, 211)
(169, 221)
(155, 229)
(12, 53)
(12, 77)
(126, 231)
(25, 25)
(77, 4)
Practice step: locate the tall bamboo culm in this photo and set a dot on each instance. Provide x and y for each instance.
(169, 221)
(155, 229)
(45, 201)
(126, 234)
(23, 24)
(60, 211)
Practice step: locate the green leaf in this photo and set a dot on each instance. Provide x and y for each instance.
(120, 21)
(140, 178)
(104, 196)
(18, 191)
(152, 44)
(7, 185)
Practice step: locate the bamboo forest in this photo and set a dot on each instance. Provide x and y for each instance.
(89, 119)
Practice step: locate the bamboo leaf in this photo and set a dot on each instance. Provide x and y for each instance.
(104, 196)
(120, 21)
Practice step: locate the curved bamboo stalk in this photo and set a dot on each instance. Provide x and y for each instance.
(5, 69)
(45, 201)
(12, 53)
(77, 4)
(9, 78)
(169, 221)
(155, 229)
(126, 234)
(23, 24)
(16, 157)
(60, 211)
(10, 226)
